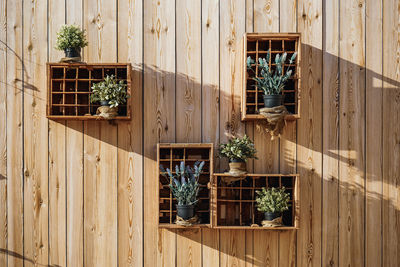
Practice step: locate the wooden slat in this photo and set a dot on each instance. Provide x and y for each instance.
(373, 146)
(3, 133)
(232, 248)
(330, 135)
(309, 140)
(159, 121)
(100, 147)
(352, 133)
(391, 133)
(36, 200)
(130, 140)
(14, 134)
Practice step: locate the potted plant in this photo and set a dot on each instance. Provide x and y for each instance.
(71, 39)
(272, 81)
(184, 184)
(238, 150)
(272, 201)
(110, 93)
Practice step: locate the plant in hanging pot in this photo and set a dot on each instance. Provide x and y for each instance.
(71, 39)
(272, 80)
(238, 150)
(110, 93)
(272, 202)
(184, 185)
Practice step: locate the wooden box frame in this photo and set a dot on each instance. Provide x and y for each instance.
(257, 45)
(74, 82)
(236, 199)
(190, 153)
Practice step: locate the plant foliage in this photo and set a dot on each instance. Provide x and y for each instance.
(271, 81)
(184, 184)
(109, 90)
(239, 149)
(71, 36)
(272, 200)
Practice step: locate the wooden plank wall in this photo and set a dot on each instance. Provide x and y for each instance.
(82, 193)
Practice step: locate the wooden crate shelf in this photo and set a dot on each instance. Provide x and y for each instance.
(170, 155)
(257, 45)
(69, 89)
(236, 206)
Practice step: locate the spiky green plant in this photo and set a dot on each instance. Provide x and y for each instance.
(272, 200)
(70, 36)
(271, 81)
(239, 149)
(184, 184)
(109, 90)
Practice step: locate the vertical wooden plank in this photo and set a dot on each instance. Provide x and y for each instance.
(130, 159)
(266, 19)
(210, 107)
(14, 134)
(3, 133)
(373, 160)
(35, 134)
(391, 133)
(159, 121)
(75, 173)
(309, 140)
(100, 147)
(330, 135)
(57, 153)
(352, 133)
(232, 28)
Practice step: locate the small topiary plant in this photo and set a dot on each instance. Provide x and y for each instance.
(238, 149)
(71, 36)
(110, 90)
(272, 200)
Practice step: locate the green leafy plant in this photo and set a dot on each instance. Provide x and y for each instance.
(184, 184)
(110, 90)
(70, 36)
(238, 149)
(272, 200)
(271, 81)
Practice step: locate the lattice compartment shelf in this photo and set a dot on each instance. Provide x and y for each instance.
(170, 155)
(257, 45)
(236, 206)
(69, 89)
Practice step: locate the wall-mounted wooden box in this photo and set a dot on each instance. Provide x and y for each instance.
(69, 89)
(235, 202)
(257, 45)
(170, 155)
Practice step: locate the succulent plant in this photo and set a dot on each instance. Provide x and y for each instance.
(70, 36)
(184, 184)
(239, 149)
(271, 81)
(272, 200)
(109, 90)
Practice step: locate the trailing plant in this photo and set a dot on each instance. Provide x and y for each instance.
(184, 184)
(71, 36)
(272, 81)
(272, 200)
(239, 149)
(109, 90)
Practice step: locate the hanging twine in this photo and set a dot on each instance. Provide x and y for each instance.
(274, 223)
(275, 120)
(189, 222)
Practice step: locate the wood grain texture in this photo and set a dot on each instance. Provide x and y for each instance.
(373, 143)
(309, 140)
(352, 133)
(14, 134)
(232, 248)
(391, 133)
(36, 200)
(130, 140)
(159, 122)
